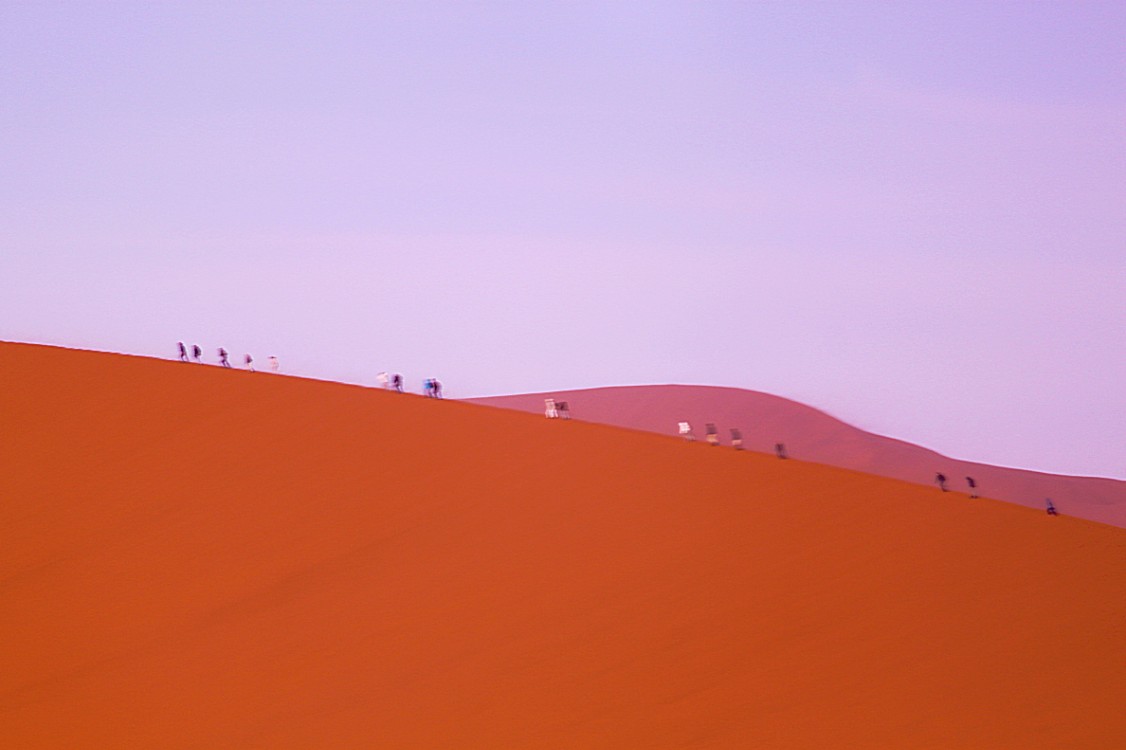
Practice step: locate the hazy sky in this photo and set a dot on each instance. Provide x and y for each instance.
(910, 215)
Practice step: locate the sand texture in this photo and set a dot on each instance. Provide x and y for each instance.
(199, 558)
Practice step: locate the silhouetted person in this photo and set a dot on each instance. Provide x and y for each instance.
(710, 434)
(1051, 508)
(183, 352)
(940, 480)
(250, 363)
(685, 430)
(437, 386)
(736, 439)
(428, 387)
(973, 487)
(564, 410)
(397, 382)
(223, 357)
(780, 450)
(196, 352)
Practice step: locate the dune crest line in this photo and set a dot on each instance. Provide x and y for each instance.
(765, 420)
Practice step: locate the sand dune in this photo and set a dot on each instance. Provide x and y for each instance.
(815, 436)
(193, 557)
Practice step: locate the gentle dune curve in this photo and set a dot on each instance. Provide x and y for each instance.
(812, 435)
(193, 557)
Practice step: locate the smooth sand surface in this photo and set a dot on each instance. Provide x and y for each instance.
(193, 557)
(812, 435)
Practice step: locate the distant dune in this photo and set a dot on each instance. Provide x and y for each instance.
(196, 557)
(815, 436)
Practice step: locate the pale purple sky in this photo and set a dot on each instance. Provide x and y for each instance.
(910, 215)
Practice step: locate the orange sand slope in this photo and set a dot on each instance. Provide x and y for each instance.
(812, 435)
(193, 557)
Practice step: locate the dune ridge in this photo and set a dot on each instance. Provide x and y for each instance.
(193, 557)
(813, 435)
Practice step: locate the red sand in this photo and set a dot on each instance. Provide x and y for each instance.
(193, 557)
(815, 436)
